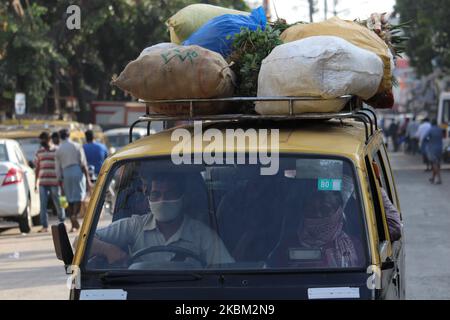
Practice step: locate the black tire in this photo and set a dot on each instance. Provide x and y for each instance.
(25, 221)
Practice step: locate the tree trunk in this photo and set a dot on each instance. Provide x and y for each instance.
(335, 3)
(57, 107)
(77, 83)
(311, 10)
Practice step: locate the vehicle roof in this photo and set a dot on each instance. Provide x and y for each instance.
(38, 125)
(28, 122)
(124, 131)
(12, 132)
(346, 138)
(18, 134)
(4, 141)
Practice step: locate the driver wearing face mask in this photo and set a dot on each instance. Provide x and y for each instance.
(165, 225)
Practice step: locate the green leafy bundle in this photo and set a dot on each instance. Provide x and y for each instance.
(249, 49)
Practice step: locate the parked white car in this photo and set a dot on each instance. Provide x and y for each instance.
(19, 201)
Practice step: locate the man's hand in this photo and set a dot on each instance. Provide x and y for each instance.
(114, 254)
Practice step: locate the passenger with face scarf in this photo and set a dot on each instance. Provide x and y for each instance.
(323, 228)
(320, 230)
(165, 225)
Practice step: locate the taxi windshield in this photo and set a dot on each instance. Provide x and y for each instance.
(155, 215)
(120, 140)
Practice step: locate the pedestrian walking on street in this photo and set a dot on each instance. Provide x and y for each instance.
(434, 138)
(47, 180)
(420, 135)
(402, 137)
(96, 152)
(72, 170)
(411, 132)
(393, 133)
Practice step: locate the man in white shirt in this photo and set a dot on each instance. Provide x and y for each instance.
(165, 225)
(71, 170)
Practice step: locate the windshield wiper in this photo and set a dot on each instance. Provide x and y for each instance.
(137, 278)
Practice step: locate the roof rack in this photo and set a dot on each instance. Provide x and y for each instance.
(354, 108)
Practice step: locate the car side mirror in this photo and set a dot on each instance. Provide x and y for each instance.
(62, 245)
(31, 164)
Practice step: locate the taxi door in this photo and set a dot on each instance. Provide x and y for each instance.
(389, 258)
(387, 180)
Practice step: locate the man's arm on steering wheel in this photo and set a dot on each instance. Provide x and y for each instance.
(111, 252)
(108, 241)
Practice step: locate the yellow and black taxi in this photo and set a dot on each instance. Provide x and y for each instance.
(243, 207)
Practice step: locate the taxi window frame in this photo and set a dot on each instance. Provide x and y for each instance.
(390, 176)
(376, 156)
(379, 211)
(357, 188)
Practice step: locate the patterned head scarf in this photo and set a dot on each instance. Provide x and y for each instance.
(326, 232)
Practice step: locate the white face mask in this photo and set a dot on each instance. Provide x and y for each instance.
(165, 211)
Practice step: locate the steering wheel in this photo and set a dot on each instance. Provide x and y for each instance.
(180, 253)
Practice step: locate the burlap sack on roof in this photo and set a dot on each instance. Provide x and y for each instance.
(182, 72)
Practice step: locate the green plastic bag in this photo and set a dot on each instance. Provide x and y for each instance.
(63, 202)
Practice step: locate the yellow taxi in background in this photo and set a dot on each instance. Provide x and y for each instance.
(27, 132)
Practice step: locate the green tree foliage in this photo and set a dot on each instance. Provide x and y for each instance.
(27, 55)
(429, 32)
(40, 48)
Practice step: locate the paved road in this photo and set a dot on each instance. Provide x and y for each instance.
(29, 269)
(426, 212)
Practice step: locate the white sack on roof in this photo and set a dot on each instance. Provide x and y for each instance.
(322, 66)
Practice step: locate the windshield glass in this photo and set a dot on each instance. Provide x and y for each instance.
(158, 216)
(120, 140)
(29, 146)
